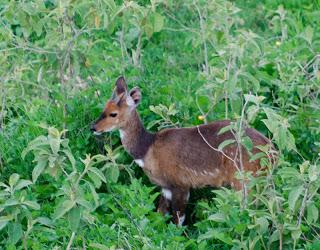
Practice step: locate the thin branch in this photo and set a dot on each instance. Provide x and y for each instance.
(303, 205)
(71, 241)
(217, 150)
(203, 38)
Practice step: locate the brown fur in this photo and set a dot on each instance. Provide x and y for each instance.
(177, 159)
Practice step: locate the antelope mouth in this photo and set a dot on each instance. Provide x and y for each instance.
(104, 131)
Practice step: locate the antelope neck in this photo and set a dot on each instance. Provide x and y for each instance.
(134, 137)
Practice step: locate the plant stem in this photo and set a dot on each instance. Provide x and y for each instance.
(303, 205)
(71, 240)
(203, 38)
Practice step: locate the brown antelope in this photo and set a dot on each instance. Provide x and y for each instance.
(176, 159)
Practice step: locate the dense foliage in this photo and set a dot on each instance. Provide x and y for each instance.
(196, 61)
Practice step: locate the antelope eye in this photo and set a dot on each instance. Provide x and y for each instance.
(113, 114)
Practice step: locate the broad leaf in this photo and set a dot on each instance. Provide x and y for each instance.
(113, 173)
(218, 217)
(312, 213)
(15, 232)
(225, 129)
(158, 22)
(294, 195)
(22, 184)
(63, 208)
(4, 220)
(13, 179)
(214, 234)
(99, 173)
(74, 217)
(225, 143)
(70, 157)
(34, 205)
(38, 169)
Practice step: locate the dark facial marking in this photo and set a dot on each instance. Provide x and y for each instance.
(101, 117)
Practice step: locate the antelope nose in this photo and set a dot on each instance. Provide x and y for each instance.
(93, 128)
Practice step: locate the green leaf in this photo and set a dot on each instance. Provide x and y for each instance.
(263, 225)
(54, 133)
(158, 22)
(13, 179)
(149, 30)
(312, 213)
(291, 144)
(70, 157)
(252, 112)
(113, 173)
(36, 143)
(294, 195)
(225, 129)
(218, 217)
(22, 184)
(81, 201)
(296, 233)
(4, 220)
(225, 143)
(38, 169)
(257, 156)
(96, 180)
(308, 34)
(247, 143)
(34, 205)
(274, 236)
(3, 185)
(253, 98)
(45, 221)
(15, 232)
(314, 172)
(315, 245)
(55, 145)
(99, 173)
(94, 194)
(11, 202)
(74, 217)
(216, 235)
(63, 208)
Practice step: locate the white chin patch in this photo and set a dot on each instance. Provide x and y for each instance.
(97, 133)
(122, 134)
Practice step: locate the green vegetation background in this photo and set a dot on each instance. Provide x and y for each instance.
(195, 61)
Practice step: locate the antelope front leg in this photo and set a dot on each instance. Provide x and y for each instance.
(180, 197)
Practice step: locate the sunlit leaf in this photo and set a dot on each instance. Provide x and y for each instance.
(38, 169)
(63, 208)
(225, 143)
(74, 216)
(294, 196)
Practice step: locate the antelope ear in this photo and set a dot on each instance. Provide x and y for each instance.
(134, 96)
(121, 86)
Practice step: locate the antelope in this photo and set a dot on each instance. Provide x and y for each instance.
(176, 159)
